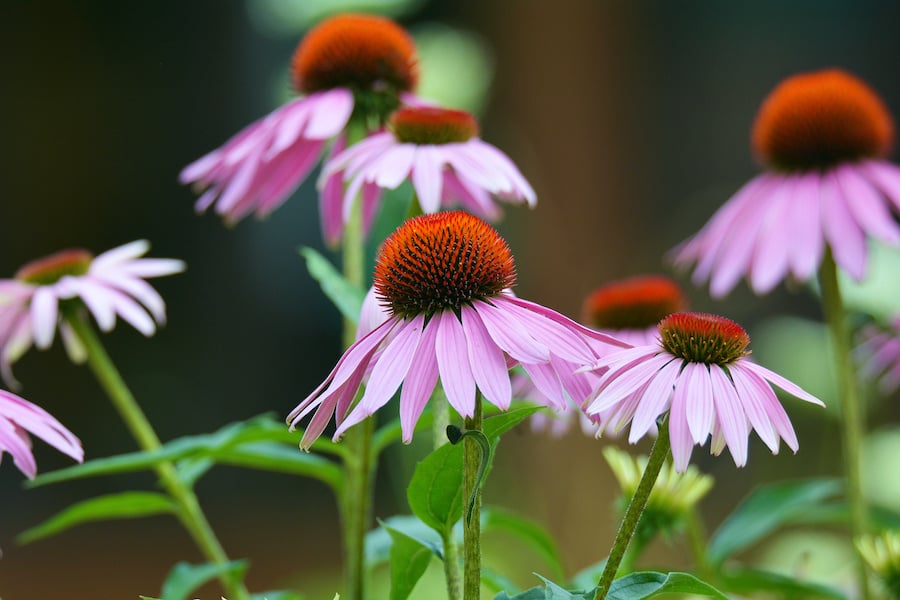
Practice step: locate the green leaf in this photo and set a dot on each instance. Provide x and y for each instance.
(495, 518)
(838, 513)
(378, 541)
(647, 584)
(535, 593)
(751, 581)
(345, 296)
(435, 491)
(192, 469)
(550, 591)
(274, 456)
(184, 577)
(589, 576)
(123, 505)
(194, 447)
(767, 508)
(409, 559)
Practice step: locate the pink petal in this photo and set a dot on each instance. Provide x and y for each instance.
(808, 245)
(869, 209)
(679, 433)
(753, 407)
(775, 239)
(772, 407)
(420, 382)
(44, 315)
(730, 418)
(654, 399)
(428, 178)
(846, 239)
(453, 363)
(791, 388)
(487, 360)
(393, 365)
(510, 335)
(330, 113)
(699, 407)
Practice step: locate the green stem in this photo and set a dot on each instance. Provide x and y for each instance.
(851, 406)
(359, 461)
(658, 455)
(190, 513)
(440, 408)
(472, 465)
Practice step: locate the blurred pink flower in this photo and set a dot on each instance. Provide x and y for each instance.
(824, 136)
(351, 65)
(701, 375)
(879, 355)
(438, 150)
(443, 280)
(110, 284)
(18, 418)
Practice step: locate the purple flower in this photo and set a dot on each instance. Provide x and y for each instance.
(18, 418)
(824, 136)
(700, 374)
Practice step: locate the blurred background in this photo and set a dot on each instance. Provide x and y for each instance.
(631, 120)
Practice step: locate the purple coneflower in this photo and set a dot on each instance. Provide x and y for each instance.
(444, 279)
(880, 354)
(18, 418)
(438, 149)
(698, 372)
(350, 66)
(109, 285)
(823, 137)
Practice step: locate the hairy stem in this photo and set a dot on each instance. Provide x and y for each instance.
(441, 410)
(472, 466)
(658, 455)
(190, 513)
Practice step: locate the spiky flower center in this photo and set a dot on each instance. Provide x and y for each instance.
(703, 338)
(355, 51)
(442, 261)
(819, 119)
(50, 269)
(430, 125)
(633, 303)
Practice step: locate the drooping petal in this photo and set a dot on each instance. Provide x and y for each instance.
(510, 335)
(453, 363)
(427, 178)
(846, 240)
(487, 361)
(44, 316)
(392, 366)
(701, 415)
(655, 399)
(753, 407)
(730, 418)
(420, 382)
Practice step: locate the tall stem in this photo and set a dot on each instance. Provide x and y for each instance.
(472, 453)
(441, 410)
(851, 406)
(190, 513)
(359, 462)
(658, 455)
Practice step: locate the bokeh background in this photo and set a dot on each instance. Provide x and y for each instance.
(630, 119)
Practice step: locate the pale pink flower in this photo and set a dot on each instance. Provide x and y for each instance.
(879, 355)
(444, 281)
(824, 136)
(439, 151)
(18, 418)
(350, 66)
(700, 374)
(109, 285)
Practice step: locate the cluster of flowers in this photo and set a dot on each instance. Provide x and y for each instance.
(442, 307)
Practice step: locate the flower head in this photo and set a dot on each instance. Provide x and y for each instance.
(18, 418)
(109, 285)
(438, 149)
(700, 374)
(823, 137)
(882, 553)
(673, 495)
(359, 66)
(443, 283)
(879, 354)
(630, 309)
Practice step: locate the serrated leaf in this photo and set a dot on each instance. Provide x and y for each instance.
(764, 510)
(751, 581)
(647, 584)
(345, 296)
(409, 559)
(435, 491)
(184, 577)
(498, 519)
(123, 505)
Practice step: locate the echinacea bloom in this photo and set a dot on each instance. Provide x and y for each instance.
(444, 279)
(823, 137)
(438, 149)
(630, 309)
(350, 66)
(879, 354)
(700, 374)
(18, 418)
(110, 284)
